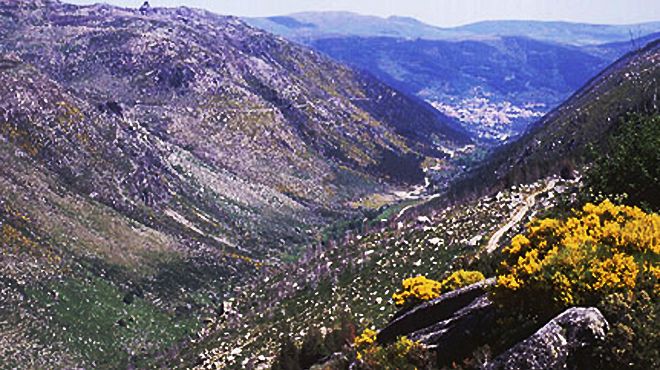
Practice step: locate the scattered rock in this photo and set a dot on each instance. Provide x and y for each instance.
(145, 8)
(424, 220)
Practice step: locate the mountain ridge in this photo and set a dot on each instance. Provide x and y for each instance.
(336, 23)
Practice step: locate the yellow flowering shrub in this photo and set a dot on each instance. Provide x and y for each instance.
(403, 354)
(602, 249)
(367, 338)
(420, 289)
(460, 279)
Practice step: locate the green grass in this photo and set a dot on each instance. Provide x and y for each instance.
(92, 320)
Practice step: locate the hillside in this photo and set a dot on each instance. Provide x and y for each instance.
(216, 104)
(154, 158)
(313, 312)
(495, 87)
(560, 140)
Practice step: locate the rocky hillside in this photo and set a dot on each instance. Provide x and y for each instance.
(206, 102)
(152, 158)
(543, 246)
(354, 279)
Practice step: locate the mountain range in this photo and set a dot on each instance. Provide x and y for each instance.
(495, 77)
(181, 189)
(309, 26)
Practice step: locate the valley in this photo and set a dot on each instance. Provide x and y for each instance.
(324, 190)
(494, 77)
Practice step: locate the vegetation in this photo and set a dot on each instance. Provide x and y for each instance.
(606, 256)
(603, 255)
(419, 289)
(631, 165)
(404, 354)
(603, 249)
(316, 346)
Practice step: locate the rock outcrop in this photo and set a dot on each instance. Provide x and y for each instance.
(440, 310)
(454, 325)
(552, 346)
(459, 322)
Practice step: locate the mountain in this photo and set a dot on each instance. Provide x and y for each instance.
(563, 32)
(155, 158)
(495, 87)
(560, 140)
(495, 77)
(309, 26)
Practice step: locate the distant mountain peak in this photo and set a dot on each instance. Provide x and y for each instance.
(409, 20)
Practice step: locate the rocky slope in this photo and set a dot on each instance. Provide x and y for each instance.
(357, 276)
(222, 103)
(153, 158)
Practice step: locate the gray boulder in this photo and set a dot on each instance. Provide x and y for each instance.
(552, 346)
(454, 324)
(431, 313)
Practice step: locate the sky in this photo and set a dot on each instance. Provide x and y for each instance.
(445, 13)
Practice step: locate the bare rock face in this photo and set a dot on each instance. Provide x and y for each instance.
(459, 322)
(552, 346)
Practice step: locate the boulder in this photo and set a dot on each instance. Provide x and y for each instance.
(430, 313)
(552, 346)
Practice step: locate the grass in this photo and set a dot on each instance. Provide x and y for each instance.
(91, 318)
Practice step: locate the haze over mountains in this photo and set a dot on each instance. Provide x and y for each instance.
(314, 25)
(496, 77)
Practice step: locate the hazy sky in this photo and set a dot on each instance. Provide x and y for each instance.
(438, 12)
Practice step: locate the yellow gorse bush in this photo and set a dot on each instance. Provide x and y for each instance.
(367, 338)
(420, 288)
(393, 356)
(417, 288)
(603, 248)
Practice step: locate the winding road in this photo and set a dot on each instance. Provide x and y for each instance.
(494, 241)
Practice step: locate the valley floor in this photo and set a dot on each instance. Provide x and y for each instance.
(357, 277)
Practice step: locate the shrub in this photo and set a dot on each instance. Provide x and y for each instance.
(631, 163)
(601, 250)
(367, 338)
(460, 279)
(419, 289)
(404, 354)
(315, 346)
(606, 256)
(415, 290)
